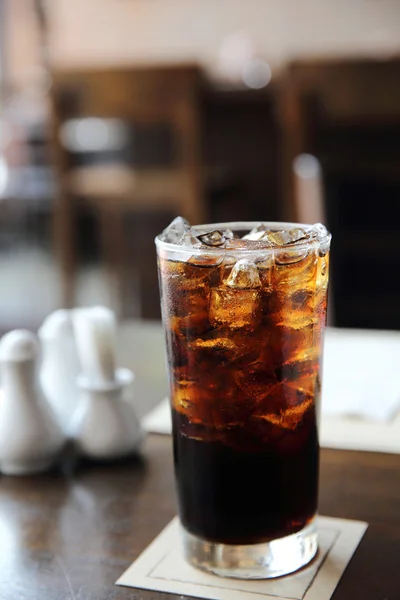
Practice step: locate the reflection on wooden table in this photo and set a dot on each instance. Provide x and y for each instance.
(71, 533)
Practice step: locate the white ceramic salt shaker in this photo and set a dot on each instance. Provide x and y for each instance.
(60, 366)
(30, 438)
(105, 425)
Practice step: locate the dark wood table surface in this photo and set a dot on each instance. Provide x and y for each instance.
(69, 534)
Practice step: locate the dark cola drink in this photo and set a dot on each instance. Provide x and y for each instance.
(244, 318)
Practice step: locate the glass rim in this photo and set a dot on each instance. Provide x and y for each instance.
(240, 225)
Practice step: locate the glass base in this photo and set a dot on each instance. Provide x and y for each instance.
(257, 561)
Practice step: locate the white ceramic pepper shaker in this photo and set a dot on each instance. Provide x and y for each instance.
(60, 366)
(30, 438)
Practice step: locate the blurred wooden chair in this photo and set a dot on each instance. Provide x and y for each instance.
(165, 96)
(346, 113)
(322, 98)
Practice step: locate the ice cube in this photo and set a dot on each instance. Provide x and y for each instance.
(175, 231)
(296, 268)
(214, 239)
(228, 234)
(298, 345)
(180, 232)
(237, 244)
(323, 249)
(190, 399)
(221, 350)
(189, 239)
(287, 236)
(264, 264)
(291, 256)
(256, 382)
(244, 275)
(192, 324)
(319, 231)
(283, 406)
(186, 290)
(296, 312)
(293, 371)
(289, 418)
(236, 303)
(184, 395)
(206, 260)
(234, 308)
(276, 238)
(217, 346)
(307, 384)
(257, 233)
(323, 270)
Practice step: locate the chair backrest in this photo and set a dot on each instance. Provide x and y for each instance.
(347, 114)
(137, 105)
(137, 95)
(330, 108)
(363, 91)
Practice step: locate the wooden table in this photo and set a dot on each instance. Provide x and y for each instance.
(69, 534)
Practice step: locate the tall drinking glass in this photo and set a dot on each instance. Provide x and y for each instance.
(244, 310)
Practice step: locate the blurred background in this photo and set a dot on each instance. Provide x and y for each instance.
(117, 115)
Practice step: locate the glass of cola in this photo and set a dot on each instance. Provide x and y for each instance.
(244, 311)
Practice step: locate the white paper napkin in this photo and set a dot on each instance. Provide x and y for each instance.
(361, 374)
(158, 420)
(162, 567)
